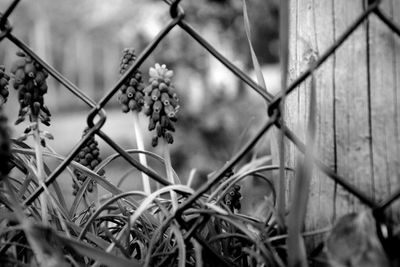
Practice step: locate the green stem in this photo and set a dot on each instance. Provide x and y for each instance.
(170, 174)
(40, 170)
(142, 157)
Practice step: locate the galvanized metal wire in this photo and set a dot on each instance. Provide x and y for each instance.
(178, 20)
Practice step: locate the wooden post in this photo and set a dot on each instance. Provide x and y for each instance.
(358, 123)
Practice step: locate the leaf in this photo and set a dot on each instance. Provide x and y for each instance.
(257, 68)
(98, 254)
(24, 147)
(78, 197)
(197, 253)
(181, 245)
(89, 236)
(148, 200)
(100, 180)
(216, 208)
(115, 156)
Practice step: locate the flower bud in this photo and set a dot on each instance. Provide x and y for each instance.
(155, 116)
(18, 64)
(148, 101)
(130, 92)
(90, 186)
(125, 108)
(40, 77)
(95, 152)
(88, 157)
(123, 88)
(30, 70)
(43, 88)
(27, 100)
(94, 163)
(19, 76)
(133, 82)
(36, 108)
(173, 103)
(147, 90)
(152, 125)
(3, 82)
(132, 105)
(157, 106)
(169, 138)
(138, 96)
(165, 99)
(123, 99)
(154, 84)
(170, 111)
(155, 94)
(147, 110)
(154, 141)
(163, 87)
(160, 130)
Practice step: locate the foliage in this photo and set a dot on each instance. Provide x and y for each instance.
(175, 225)
(117, 227)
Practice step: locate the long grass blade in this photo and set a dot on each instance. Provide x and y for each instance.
(115, 156)
(181, 246)
(257, 68)
(146, 202)
(296, 246)
(98, 254)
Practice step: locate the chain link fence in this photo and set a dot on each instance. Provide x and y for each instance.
(97, 116)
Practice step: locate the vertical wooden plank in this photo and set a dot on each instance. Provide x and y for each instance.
(291, 104)
(320, 208)
(396, 68)
(358, 124)
(312, 32)
(353, 139)
(384, 102)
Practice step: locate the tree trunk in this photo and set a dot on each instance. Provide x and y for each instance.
(358, 103)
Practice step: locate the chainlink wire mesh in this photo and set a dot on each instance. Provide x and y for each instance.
(96, 117)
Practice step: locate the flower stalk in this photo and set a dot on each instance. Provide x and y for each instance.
(142, 157)
(40, 169)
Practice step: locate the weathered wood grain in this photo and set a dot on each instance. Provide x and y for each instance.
(311, 33)
(358, 124)
(383, 73)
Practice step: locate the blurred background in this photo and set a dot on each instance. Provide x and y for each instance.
(83, 40)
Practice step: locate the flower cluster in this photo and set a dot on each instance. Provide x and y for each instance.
(4, 79)
(232, 198)
(30, 81)
(161, 103)
(131, 92)
(89, 156)
(4, 145)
